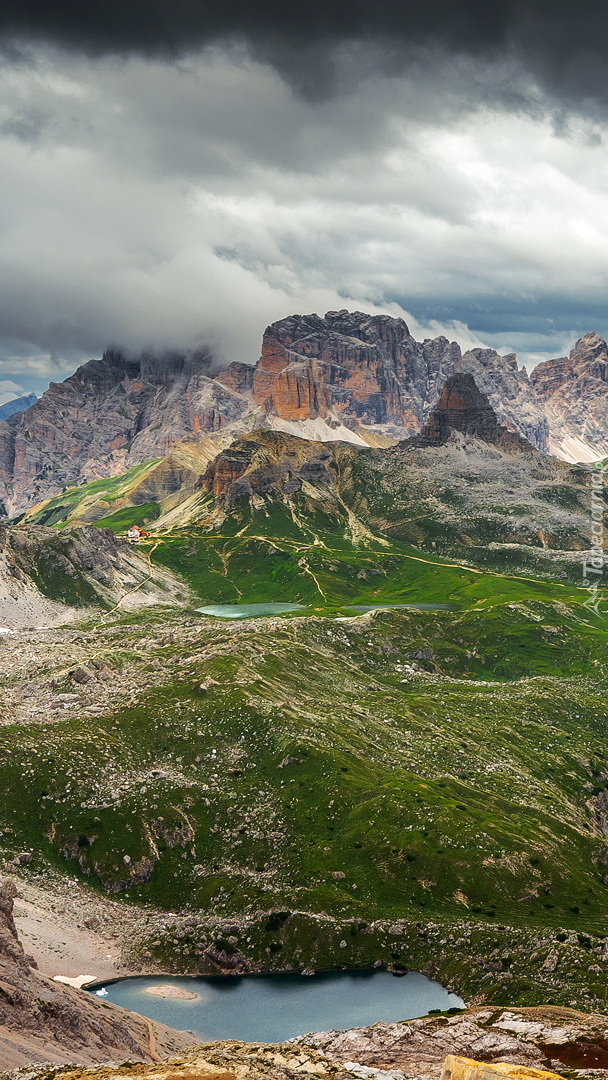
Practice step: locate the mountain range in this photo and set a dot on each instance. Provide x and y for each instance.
(465, 486)
(16, 405)
(342, 377)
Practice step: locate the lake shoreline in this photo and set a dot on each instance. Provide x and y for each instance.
(234, 975)
(275, 1007)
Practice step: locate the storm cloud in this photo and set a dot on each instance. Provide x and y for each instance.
(317, 43)
(181, 174)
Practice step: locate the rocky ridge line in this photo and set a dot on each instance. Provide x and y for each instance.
(344, 376)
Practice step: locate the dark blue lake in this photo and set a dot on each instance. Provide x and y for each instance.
(271, 1008)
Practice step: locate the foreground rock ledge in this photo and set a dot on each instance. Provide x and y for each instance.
(516, 1044)
(461, 1068)
(546, 1038)
(259, 1061)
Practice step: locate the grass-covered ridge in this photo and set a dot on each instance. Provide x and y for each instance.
(438, 768)
(95, 500)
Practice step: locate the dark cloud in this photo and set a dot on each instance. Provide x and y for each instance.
(562, 45)
(160, 193)
(164, 26)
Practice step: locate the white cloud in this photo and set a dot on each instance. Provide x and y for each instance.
(153, 204)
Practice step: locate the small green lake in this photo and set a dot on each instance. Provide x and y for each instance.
(271, 1008)
(256, 611)
(248, 611)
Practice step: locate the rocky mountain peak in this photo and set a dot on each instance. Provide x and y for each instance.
(573, 392)
(462, 407)
(591, 340)
(346, 376)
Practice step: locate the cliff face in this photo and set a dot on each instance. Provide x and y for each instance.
(345, 376)
(352, 368)
(573, 392)
(44, 1021)
(111, 414)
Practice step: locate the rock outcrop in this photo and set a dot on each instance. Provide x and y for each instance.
(269, 462)
(45, 1021)
(545, 1038)
(573, 392)
(49, 577)
(463, 1068)
(227, 1060)
(462, 407)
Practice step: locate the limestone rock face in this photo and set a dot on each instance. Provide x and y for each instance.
(356, 369)
(237, 377)
(462, 1068)
(573, 391)
(545, 1038)
(266, 462)
(343, 364)
(112, 413)
(10, 946)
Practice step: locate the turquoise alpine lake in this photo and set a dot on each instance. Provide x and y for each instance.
(255, 611)
(248, 611)
(272, 1008)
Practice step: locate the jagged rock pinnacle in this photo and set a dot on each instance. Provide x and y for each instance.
(462, 407)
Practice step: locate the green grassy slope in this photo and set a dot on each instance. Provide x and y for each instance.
(72, 505)
(426, 787)
(444, 769)
(270, 557)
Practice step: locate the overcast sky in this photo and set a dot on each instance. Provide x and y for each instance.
(173, 174)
